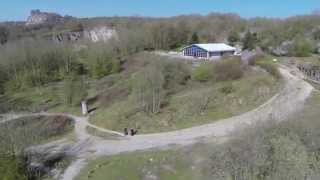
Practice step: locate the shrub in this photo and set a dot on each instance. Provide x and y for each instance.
(266, 63)
(227, 89)
(228, 69)
(175, 73)
(203, 73)
(270, 68)
(301, 48)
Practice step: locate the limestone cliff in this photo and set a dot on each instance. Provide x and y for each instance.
(97, 34)
(102, 33)
(37, 17)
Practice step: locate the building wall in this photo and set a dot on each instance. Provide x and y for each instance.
(195, 52)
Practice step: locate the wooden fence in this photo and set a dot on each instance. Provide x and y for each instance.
(311, 71)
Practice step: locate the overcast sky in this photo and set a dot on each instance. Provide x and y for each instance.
(19, 9)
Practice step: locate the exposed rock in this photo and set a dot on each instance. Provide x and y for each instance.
(68, 36)
(283, 49)
(97, 34)
(37, 17)
(102, 33)
(248, 56)
(41, 159)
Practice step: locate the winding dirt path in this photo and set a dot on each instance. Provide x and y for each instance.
(290, 99)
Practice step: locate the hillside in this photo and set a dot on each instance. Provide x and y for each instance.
(129, 72)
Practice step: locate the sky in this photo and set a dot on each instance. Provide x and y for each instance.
(20, 9)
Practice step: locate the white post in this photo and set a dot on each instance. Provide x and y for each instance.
(84, 107)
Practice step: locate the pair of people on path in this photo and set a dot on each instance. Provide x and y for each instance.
(132, 132)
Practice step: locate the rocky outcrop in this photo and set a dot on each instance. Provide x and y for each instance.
(37, 17)
(283, 49)
(247, 57)
(102, 33)
(42, 159)
(72, 36)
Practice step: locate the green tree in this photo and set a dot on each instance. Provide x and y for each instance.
(4, 35)
(316, 35)
(194, 38)
(250, 40)
(73, 90)
(148, 88)
(233, 38)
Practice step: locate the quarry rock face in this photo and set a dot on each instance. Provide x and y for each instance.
(96, 34)
(102, 33)
(67, 36)
(37, 17)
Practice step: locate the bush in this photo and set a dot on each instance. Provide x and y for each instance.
(269, 66)
(176, 73)
(227, 89)
(301, 48)
(266, 63)
(102, 61)
(204, 72)
(228, 69)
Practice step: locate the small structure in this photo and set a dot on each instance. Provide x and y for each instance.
(311, 71)
(209, 51)
(84, 107)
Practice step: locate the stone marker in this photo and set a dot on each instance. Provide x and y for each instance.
(84, 107)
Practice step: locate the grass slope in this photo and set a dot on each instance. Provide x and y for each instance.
(184, 108)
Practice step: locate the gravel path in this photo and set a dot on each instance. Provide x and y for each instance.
(290, 99)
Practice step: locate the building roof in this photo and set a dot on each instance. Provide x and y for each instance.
(215, 47)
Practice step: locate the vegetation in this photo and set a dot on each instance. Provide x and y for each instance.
(286, 150)
(250, 41)
(162, 96)
(233, 38)
(27, 132)
(4, 35)
(227, 69)
(301, 48)
(203, 73)
(129, 88)
(266, 62)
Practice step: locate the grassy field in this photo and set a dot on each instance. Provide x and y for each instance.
(179, 164)
(195, 104)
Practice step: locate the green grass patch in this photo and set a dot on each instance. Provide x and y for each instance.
(196, 104)
(173, 165)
